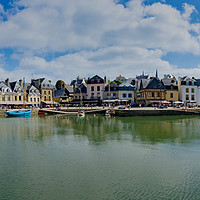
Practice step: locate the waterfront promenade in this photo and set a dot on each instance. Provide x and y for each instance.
(125, 112)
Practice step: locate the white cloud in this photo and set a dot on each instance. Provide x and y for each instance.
(109, 38)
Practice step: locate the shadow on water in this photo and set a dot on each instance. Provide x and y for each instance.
(99, 129)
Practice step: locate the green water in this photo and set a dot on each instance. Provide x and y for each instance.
(71, 158)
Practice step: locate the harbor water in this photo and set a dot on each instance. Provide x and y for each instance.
(94, 158)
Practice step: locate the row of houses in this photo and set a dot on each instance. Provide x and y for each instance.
(141, 89)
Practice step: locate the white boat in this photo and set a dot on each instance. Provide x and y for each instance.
(81, 113)
(109, 113)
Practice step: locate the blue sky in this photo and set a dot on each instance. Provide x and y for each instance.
(63, 39)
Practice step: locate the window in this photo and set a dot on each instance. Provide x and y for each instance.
(3, 98)
(114, 94)
(129, 95)
(192, 97)
(152, 94)
(187, 97)
(158, 94)
(98, 88)
(45, 92)
(15, 98)
(92, 88)
(98, 94)
(187, 90)
(92, 95)
(38, 99)
(20, 98)
(49, 92)
(31, 99)
(108, 94)
(8, 98)
(124, 95)
(45, 98)
(34, 99)
(49, 98)
(192, 90)
(171, 95)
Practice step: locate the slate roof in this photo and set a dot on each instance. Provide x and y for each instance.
(153, 83)
(198, 82)
(60, 93)
(169, 82)
(70, 89)
(128, 83)
(95, 80)
(144, 83)
(42, 83)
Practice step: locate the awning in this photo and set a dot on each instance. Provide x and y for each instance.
(110, 100)
(179, 102)
(49, 102)
(159, 101)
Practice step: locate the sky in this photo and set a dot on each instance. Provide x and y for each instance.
(64, 39)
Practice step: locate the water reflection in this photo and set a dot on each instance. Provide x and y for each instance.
(100, 129)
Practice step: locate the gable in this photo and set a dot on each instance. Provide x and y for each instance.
(155, 84)
(95, 80)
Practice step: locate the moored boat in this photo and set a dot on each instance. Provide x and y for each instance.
(81, 113)
(18, 113)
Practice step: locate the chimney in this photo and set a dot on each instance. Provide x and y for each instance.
(20, 82)
(7, 82)
(105, 79)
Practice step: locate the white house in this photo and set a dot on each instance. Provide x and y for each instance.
(187, 90)
(95, 88)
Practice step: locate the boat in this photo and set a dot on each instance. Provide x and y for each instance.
(81, 113)
(109, 113)
(18, 113)
(42, 113)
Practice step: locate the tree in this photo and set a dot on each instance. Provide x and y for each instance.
(60, 85)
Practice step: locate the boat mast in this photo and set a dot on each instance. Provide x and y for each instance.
(24, 98)
(109, 94)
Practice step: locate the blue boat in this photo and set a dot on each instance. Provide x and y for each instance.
(19, 113)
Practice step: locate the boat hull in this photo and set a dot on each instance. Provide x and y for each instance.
(26, 113)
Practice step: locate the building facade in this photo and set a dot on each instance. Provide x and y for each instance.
(152, 91)
(46, 90)
(171, 87)
(95, 87)
(187, 90)
(127, 91)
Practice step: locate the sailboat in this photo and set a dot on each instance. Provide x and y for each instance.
(20, 112)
